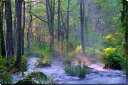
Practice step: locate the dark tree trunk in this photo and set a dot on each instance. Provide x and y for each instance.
(9, 39)
(124, 20)
(2, 42)
(67, 28)
(19, 33)
(82, 16)
(23, 28)
(59, 28)
(50, 9)
(62, 31)
(15, 33)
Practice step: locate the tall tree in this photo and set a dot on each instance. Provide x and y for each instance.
(50, 9)
(19, 32)
(29, 31)
(2, 43)
(22, 39)
(9, 39)
(82, 19)
(124, 20)
(67, 28)
(59, 27)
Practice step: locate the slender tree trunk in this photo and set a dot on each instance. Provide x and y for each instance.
(67, 28)
(19, 33)
(15, 32)
(82, 16)
(59, 28)
(2, 42)
(62, 31)
(29, 29)
(9, 39)
(23, 27)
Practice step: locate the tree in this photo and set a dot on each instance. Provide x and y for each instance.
(50, 9)
(19, 32)
(9, 30)
(67, 28)
(82, 16)
(2, 43)
(29, 33)
(59, 27)
(124, 20)
(22, 39)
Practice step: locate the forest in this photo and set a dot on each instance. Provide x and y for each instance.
(63, 42)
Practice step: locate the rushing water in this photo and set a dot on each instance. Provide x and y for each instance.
(97, 75)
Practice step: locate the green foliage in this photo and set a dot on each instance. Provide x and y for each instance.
(44, 62)
(112, 59)
(24, 63)
(3, 61)
(5, 77)
(39, 49)
(41, 78)
(92, 52)
(112, 40)
(67, 61)
(124, 64)
(94, 40)
(37, 75)
(51, 80)
(25, 82)
(76, 71)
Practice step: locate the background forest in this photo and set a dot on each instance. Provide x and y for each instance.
(73, 31)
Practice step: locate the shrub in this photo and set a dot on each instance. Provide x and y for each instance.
(3, 61)
(51, 80)
(5, 77)
(41, 78)
(113, 40)
(112, 59)
(76, 71)
(39, 50)
(37, 75)
(24, 63)
(67, 61)
(124, 64)
(44, 62)
(25, 82)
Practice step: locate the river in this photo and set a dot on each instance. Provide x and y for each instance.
(97, 76)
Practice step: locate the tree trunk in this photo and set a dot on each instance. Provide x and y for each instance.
(2, 43)
(29, 29)
(82, 16)
(59, 28)
(23, 27)
(19, 33)
(9, 39)
(67, 28)
(124, 20)
(50, 9)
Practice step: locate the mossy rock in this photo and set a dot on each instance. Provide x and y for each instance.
(25, 82)
(37, 75)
